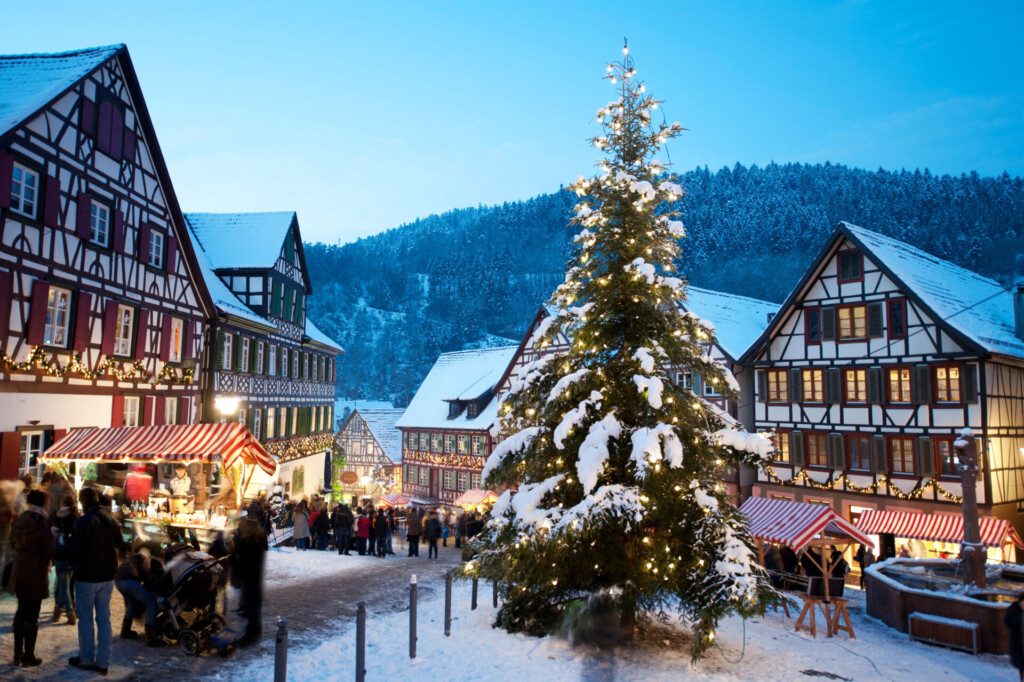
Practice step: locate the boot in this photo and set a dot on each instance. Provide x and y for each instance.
(153, 637)
(72, 618)
(28, 659)
(19, 641)
(126, 628)
(56, 613)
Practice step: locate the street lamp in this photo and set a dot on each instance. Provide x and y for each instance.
(227, 405)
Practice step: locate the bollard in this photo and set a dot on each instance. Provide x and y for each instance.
(494, 594)
(412, 616)
(281, 651)
(360, 641)
(448, 604)
(472, 606)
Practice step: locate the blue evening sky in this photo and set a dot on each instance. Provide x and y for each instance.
(363, 115)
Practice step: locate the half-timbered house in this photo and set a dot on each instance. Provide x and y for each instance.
(447, 428)
(269, 365)
(877, 360)
(102, 305)
(372, 447)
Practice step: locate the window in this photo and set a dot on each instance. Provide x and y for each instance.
(897, 318)
(271, 413)
(31, 448)
(272, 360)
(463, 481)
(174, 350)
(685, 379)
(816, 445)
(284, 362)
(477, 443)
(856, 381)
(851, 266)
(156, 249)
(257, 423)
(899, 385)
(295, 421)
(473, 410)
(58, 307)
(778, 386)
(305, 366)
(99, 224)
(245, 354)
(436, 442)
(853, 321)
(947, 384)
(946, 455)
(474, 481)
(424, 442)
(132, 410)
(412, 474)
(170, 411)
(711, 390)
(463, 445)
(449, 479)
(229, 351)
(295, 364)
(424, 476)
(24, 191)
(858, 448)
(449, 443)
(813, 385)
(812, 325)
(258, 366)
(781, 442)
(901, 455)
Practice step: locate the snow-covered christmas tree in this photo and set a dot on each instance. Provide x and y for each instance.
(617, 472)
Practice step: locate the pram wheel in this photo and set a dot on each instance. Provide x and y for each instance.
(190, 642)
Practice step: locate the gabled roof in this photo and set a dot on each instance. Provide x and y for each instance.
(314, 334)
(29, 82)
(247, 240)
(462, 375)
(975, 310)
(382, 425)
(738, 320)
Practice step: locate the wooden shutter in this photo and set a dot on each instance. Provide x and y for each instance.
(165, 338)
(148, 410)
(119, 231)
(6, 178)
(117, 411)
(921, 386)
(141, 332)
(760, 377)
(87, 117)
(10, 455)
(879, 463)
(83, 216)
(795, 385)
(833, 386)
(51, 202)
(6, 296)
(875, 312)
(796, 448)
(828, 323)
(184, 410)
(238, 353)
(37, 312)
(924, 457)
(103, 125)
(220, 349)
(145, 230)
(160, 413)
(130, 141)
(836, 455)
(186, 340)
(275, 306)
(83, 317)
(970, 383)
(172, 253)
(109, 328)
(875, 389)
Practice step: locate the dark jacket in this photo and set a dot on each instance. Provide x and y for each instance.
(33, 548)
(249, 553)
(322, 523)
(1013, 621)
(432, 528)
(94, 545)
(413, 525)
(380, 528)
(342, 520)
(63, 525)
(137, 567)
(474, 527)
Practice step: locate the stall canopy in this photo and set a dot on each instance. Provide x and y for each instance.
(395, 500)
(227, 444)
(936, 527)
(796, 523)
(473, 497)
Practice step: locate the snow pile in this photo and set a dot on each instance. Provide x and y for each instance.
(287, 565)
(754, 443)
(654, 445)
(574, 418)
(594, 450)
(515, 443)
(616, 501)
(675, 227)
(672, 189)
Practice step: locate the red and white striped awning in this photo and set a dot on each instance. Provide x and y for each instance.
(796, 523)
(224, 443)
(473, 497)
(938, 527)
(395, 500)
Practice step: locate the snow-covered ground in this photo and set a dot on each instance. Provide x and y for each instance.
(287, 564)
(763, 649)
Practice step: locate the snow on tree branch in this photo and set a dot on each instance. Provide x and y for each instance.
(594, 450)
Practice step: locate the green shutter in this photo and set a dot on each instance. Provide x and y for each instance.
(220, 348)
(275, 305)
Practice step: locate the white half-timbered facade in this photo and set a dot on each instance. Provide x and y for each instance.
(372, 445)
(266, 353)
(879, 358)
(102, 305)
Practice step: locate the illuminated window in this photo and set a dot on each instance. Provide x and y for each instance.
(463, 481)
(132, 410)
(817, 450)
(58, 305)
(463, 445)
(778, 386)
(813, 385)
(946, 455)
(271, 413)
(901, 455)
(853, 322)
(899, 385)
(781, 441)
(947, 384)
(436, 442)
(856, 385)
(449, 443)
(123, 330)
(174, 353)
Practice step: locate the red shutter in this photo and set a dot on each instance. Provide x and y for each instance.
(87, 117)
(119, 231)
(165, 338)
(161, 408)
(37, 312)
(186, 340)
(6, 177)
(6, 293)
(149, 410)
(83, 319)
(83, 219)
(172, 252)
(144, 232)
(117, 411)
(10, 455)
(103, 130)
(51, 204)
(129, 145)
(142, 331)
(109, 328)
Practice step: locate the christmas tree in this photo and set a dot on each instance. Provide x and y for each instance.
(616, 472)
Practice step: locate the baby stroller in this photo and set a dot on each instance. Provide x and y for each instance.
(187, 614)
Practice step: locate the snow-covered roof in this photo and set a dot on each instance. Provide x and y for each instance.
(382, 425)
(241, 240)
(979, 308)
(738, 320)
(462, 375)
(29, 82)
(342, 404)
(313, 332)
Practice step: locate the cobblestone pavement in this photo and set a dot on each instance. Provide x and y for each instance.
(312, 608)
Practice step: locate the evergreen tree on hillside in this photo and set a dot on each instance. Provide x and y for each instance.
(619, 502)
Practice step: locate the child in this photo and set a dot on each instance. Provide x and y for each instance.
(444, 536)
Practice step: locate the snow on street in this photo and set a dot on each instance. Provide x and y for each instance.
(289, 565)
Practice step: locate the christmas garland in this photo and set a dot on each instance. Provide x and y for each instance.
(833, 482)
(300, 446)
(40, 361)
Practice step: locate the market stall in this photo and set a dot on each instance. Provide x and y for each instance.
(476, 500)
(395, 500)
(169, 480)
(938, 536)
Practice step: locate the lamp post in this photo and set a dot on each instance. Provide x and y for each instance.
(227, 405)
(972, 552)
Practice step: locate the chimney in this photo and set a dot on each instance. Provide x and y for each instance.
(1018, 296)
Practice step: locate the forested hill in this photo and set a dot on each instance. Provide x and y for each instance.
(471, 276)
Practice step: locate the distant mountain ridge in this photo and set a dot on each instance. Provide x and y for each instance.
(473, 277)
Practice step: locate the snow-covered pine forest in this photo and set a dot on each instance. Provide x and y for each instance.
(398, 299)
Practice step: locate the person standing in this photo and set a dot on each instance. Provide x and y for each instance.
(248, 557)
(372, 537)
(33, 548)
(380, 529)
(343, 528)
(1014, 620)
(432, 531)
(95, 542)
(62, 525)
(362, 531)
(412, 531)
(300, 526)
(460, 532)
(391, 529)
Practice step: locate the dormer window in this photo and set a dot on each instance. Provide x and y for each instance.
(473, 410)
(454, 409)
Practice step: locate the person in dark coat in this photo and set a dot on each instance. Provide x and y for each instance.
(474, 525)
(32, 543)
(789, 560)
(322, 528)
(414, 527)
(137, 583)
(380, 530)
(342, 522)
(1015, 626)
(62, 525)
(392, 524)
(371, 538)
(431, 532)
(247, 561)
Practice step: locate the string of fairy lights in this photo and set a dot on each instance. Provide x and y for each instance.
(843, 482)
(41, 361)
